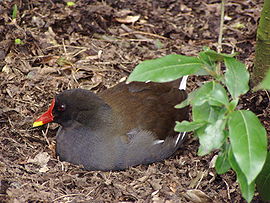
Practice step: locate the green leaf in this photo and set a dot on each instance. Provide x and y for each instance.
(201, 112)
(199, 132)
(70, 3)
(18, 41)
(212, 138)
(218, 95)
(206, 59)
(265, 84)
(211, 92)
(232, 105)
(208, 62)
(236, 77)
(222, 164)
(249, 142)
(246, 188)
(164, 69)
(200, 96)
(182, 104)
(14, 11)
(186, 126)
(205, 112)
(214, 56)
(263, 180)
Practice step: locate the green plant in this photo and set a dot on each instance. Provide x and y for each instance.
(218, 124)
(70, 3)
(18, 41)
(263, 180)
(14, 12)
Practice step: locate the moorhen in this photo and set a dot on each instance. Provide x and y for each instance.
(126, 125)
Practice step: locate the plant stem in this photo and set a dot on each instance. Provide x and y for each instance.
(222, 8)
(219, 46)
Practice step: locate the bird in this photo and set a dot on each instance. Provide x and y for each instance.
(127, 125)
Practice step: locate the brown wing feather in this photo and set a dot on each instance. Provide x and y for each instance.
(147, 106)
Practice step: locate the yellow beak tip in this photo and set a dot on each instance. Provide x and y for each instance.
(37, 123)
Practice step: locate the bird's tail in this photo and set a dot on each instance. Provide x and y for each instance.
(183, 83)
(182, 135)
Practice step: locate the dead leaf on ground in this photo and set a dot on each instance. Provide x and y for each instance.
(41, 159)
(197, 196)
(128, 19)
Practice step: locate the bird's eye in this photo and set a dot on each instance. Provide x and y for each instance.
(61, 107)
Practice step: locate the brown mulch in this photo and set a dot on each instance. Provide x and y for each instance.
(93, 46)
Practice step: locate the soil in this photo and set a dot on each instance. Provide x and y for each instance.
(93, 45)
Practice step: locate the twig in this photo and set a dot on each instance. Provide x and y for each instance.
(228, 189)
(126, 28)
(68, 195)
(26, 102)
(200, 180)
(222, 8)
(45, 134)
(144, 33)
(64, 46)
(267, 94)
(138, 34)
(219, 46)
(68, 46)
(76, 54)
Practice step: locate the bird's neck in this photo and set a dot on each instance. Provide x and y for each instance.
(98, 118)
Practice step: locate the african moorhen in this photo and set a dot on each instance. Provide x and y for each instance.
(126, 125)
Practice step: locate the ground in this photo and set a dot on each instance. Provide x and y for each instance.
(93, 45)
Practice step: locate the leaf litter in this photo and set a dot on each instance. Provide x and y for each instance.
(94, 45)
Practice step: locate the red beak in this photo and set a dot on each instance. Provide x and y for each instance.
(47, 117)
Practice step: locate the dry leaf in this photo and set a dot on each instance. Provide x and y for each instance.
(123, 79)
(213, 162)
(6, 69)
(197, 196)
(97, 78)
(43, 169)
(41, 159)
(128, 19)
